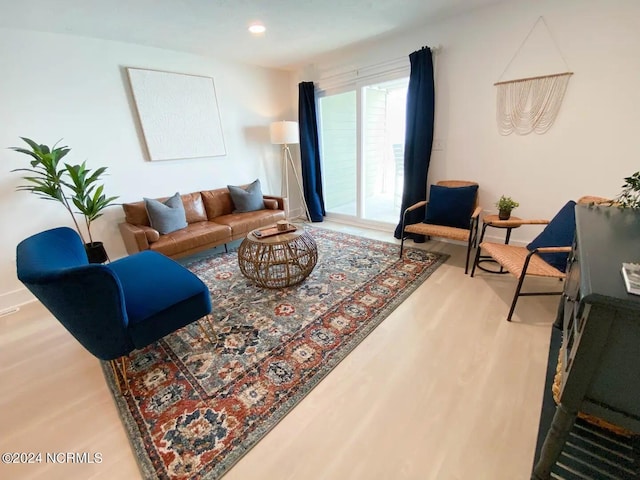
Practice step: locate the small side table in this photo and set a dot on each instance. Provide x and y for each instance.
(494, 221)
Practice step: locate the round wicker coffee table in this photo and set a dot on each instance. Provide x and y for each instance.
(278, 261)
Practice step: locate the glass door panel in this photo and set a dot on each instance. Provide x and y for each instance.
(383, 130)
(338, 143)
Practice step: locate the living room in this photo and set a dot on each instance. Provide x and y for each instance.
(61, 86)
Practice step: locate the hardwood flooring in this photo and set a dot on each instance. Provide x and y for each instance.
(445, 388)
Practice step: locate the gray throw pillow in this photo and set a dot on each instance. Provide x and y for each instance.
(247, 200)
(167, 216)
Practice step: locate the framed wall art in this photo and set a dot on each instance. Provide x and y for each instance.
(178, 114)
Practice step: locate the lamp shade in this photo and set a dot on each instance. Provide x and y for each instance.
(284, 133)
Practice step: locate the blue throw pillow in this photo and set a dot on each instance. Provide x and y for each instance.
(167, 216)
(247, 199)
(451, 206)
(558, 233)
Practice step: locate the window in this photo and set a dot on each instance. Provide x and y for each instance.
(362, 142)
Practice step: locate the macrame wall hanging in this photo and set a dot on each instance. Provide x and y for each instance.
(530, 104)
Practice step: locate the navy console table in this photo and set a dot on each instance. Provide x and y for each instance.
(601, 329)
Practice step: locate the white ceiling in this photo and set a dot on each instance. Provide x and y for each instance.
(297, 30)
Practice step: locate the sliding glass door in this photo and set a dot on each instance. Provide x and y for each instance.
(362, 143)
(338, 133)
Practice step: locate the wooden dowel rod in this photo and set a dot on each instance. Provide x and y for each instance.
(533, 78)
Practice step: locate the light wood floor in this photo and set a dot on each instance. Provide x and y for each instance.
(443, 389)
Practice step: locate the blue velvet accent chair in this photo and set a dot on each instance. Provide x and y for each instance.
(115, 308)
(546, 256)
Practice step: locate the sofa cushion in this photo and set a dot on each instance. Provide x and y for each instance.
(167, 216)
(247, 199)
(217, 202)
(195, 236)
(176, 298)
(136, 214)
(193, 207)
(242, 223)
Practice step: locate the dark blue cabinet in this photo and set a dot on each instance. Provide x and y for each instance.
(601, 329)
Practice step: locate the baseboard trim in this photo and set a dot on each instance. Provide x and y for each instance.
(9, 301)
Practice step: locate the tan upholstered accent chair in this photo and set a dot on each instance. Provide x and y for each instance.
(467, 235)
(521, 262)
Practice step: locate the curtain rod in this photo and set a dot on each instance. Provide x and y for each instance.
(434, 51)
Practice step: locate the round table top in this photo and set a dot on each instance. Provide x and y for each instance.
(279, 238)
(494, 221)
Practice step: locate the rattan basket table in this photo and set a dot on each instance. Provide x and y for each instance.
(278, 261)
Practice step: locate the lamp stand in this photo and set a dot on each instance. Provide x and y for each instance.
(286, 157)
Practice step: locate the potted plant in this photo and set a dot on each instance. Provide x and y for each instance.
(71, 185)
(505, 205)
(630, 195)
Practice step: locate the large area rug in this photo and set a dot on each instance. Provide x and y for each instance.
(196, 408)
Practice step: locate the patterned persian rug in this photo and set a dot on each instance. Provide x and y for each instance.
(196, 408)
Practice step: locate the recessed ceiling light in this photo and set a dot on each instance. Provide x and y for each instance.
(257, 28)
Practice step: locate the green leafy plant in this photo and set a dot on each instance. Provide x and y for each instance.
(506, 204)
(71, 185)
(630, 195)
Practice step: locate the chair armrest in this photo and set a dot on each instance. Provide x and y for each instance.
(282, 201)
(416, 206)
(134, 237)
(151, 233)
(552, 250)
(476, 213)
(270, 203)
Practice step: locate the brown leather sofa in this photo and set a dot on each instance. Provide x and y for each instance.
(210, 222)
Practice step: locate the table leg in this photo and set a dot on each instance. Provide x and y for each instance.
(508, 235)
(484, 227)
(487, 258)
(556, 437)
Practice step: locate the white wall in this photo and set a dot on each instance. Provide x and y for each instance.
(595, 141)
(63, 87)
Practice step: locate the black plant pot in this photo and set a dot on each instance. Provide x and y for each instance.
(96, 252)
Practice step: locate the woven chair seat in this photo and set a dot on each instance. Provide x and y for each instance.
(512, 258)
(442, 231)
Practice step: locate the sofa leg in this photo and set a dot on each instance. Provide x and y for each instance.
(119, 367)
(226, 250)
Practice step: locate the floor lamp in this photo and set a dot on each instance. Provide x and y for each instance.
(286, 133)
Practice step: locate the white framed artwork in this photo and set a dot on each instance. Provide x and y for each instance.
(178, 114)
